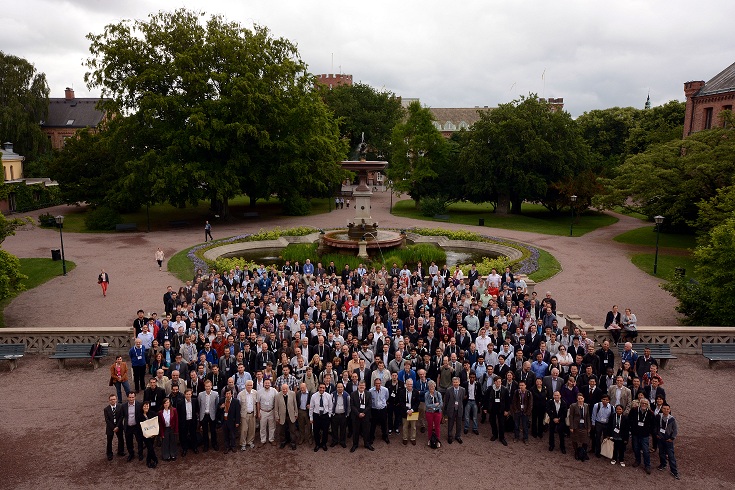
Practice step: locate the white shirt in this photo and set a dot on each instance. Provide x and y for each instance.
(320, 404)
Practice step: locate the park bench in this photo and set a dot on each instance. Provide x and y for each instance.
(251, 214)
(442, 217)
(126, 227)
(12, 352)
(178, 223)
(718, 352)
(660, 352)
(78, 351)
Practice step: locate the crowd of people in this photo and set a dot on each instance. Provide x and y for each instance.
(295, 354)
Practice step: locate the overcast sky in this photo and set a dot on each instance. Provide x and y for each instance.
(592, 53)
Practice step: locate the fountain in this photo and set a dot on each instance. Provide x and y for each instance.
(362, 231)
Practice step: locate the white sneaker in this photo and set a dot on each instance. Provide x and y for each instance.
(613, 462)
(622, 464)
(243, 448)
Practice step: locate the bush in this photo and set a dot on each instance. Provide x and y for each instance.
(452, 235)
(10, 275)
(296, 206)
(431, 206)
(47, 220)
(102, 218)
(300, 252)
(226, 264)
(487, 265)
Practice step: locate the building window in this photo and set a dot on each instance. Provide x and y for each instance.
(12, 175)
(708, 118)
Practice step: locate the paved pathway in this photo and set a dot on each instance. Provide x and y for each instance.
(596, 271)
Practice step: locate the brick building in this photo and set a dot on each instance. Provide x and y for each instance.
(68, 115)
(332, 81)
(705, 101)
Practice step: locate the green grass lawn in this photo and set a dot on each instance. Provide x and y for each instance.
(162, 214)
(535, 218)
(180, 266)
(647, 236)
(628, 212)
(38, 272)
(666, 264)
(548, 266)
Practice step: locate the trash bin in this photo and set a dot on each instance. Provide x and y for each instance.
(482, 222)
(55, 254)
(680, 272)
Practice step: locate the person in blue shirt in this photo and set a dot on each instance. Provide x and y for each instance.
(137, 360)
(378, 413)
(538, 366)
(406, 373)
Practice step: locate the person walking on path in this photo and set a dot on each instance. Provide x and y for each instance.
(160, 256)
(103, 280)
(207, 231)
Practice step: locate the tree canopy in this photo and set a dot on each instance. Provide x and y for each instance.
(23, 105)
(213, 109)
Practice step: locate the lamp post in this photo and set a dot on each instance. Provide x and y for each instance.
(60, 223)
(573, 198)
(658, 219)
(390, 184)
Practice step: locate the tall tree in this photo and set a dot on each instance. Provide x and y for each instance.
(211, 103)
(363, 109)
(23, 105)
(515, 152)
(419, 151)
(606, 131)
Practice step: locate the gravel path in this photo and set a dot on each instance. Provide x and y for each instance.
(596, 271)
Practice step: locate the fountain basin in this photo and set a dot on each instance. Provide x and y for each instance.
(340, 239)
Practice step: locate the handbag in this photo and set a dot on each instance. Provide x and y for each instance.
(149, 427)
(607, 447)
(112, 381)
(546, 419)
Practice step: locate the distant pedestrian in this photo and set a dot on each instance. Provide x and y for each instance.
(103, 280)
(341, 202)
(159, 258)
(207, 231)
(348, 203)
(336, 203)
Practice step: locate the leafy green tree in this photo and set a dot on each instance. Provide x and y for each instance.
(419, 151)
(606, 131)
(23, 104)
(656, 125)
(713, 211)
(671, 178)
(515, 152)
(362, 109)
(211, 107)
(710, 301)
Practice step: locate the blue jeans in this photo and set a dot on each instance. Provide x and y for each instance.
(521, 420)
(470, 411)
(640, 446)
(666, 450)
(118, 386)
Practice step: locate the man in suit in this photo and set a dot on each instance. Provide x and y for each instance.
(114, 426)
(132, 413)
(340, 412)
(553, 383)
(303, 398)
(286, 413)
(454, 410)
(155, 395)
(654, 390)
(497, 404)
(231, 419)
(620, 395)
(188, 422)
(408, 400)
(320, 411)
(556, 409)
(208, 403)
(360, 403)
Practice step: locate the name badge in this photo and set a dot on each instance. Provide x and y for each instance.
(663, 431)
(362, 406)
(153, 404)
(392, 395)
(456, 404)
(521, 406)
(114, 421)
(605, 361)
(581, 421)
(497, 400)
(140, 357)
(641, 424)
(616, 430)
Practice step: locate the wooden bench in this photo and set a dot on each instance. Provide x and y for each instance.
(442, 217)
(718, 352)
(12, 352)
(126, 227)
(660, 352)
(178, 223)
(251, 214)
(78, 351)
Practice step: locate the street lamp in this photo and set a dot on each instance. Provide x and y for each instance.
(60, 222)
(573, 198)
(658, 219)
(390, 184)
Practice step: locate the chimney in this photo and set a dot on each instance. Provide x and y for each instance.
(8, 146)
(69, 93)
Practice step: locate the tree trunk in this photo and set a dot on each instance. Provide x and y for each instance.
(503, 203)
(515, 206)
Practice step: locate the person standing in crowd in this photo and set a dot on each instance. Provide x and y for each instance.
(151, 460)
(248, 415)
(159, 258)
(666, 432)
(556, 409)
(640, 421)
(208, 403)
(360, 403)
(168, 423)
(114, 426)
(454, 410)
(601, 413)
(133, 416)
(579, 428)
(188, 422)
(497, 403)
(207, 231)
(521, 407)
(103, 280)
(319, 414)
(340, 414)
(286, 414)
(434, 405)
(119, 377)
(379, 410)
(267, 402)
(231, 417)
(408, 399)
(619, 431)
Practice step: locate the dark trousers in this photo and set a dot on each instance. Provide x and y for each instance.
(138, 378)
(151, 451)
(209, 429)
(321, 429)
(455, 419)
(640, 448)
(229, 432)
(497, 423)
(360, 427)
(188, 434)
(120, 442)
(339, 428)
(378, 417)
(619, 450)
(556, 429)
(288, 433)
(395, 417)
(208, 233)
(666, 452)
(134, 432)
(537, 422)
(598, 433)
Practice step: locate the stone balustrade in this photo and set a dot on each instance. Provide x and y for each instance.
(44, 340)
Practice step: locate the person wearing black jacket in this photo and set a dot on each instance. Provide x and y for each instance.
(539, 408)
(155, 395)
(619, 431)
(640, 422)
(497, 405)
(606, 358)
(114, 426)
(556, 409)
(408, 400)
